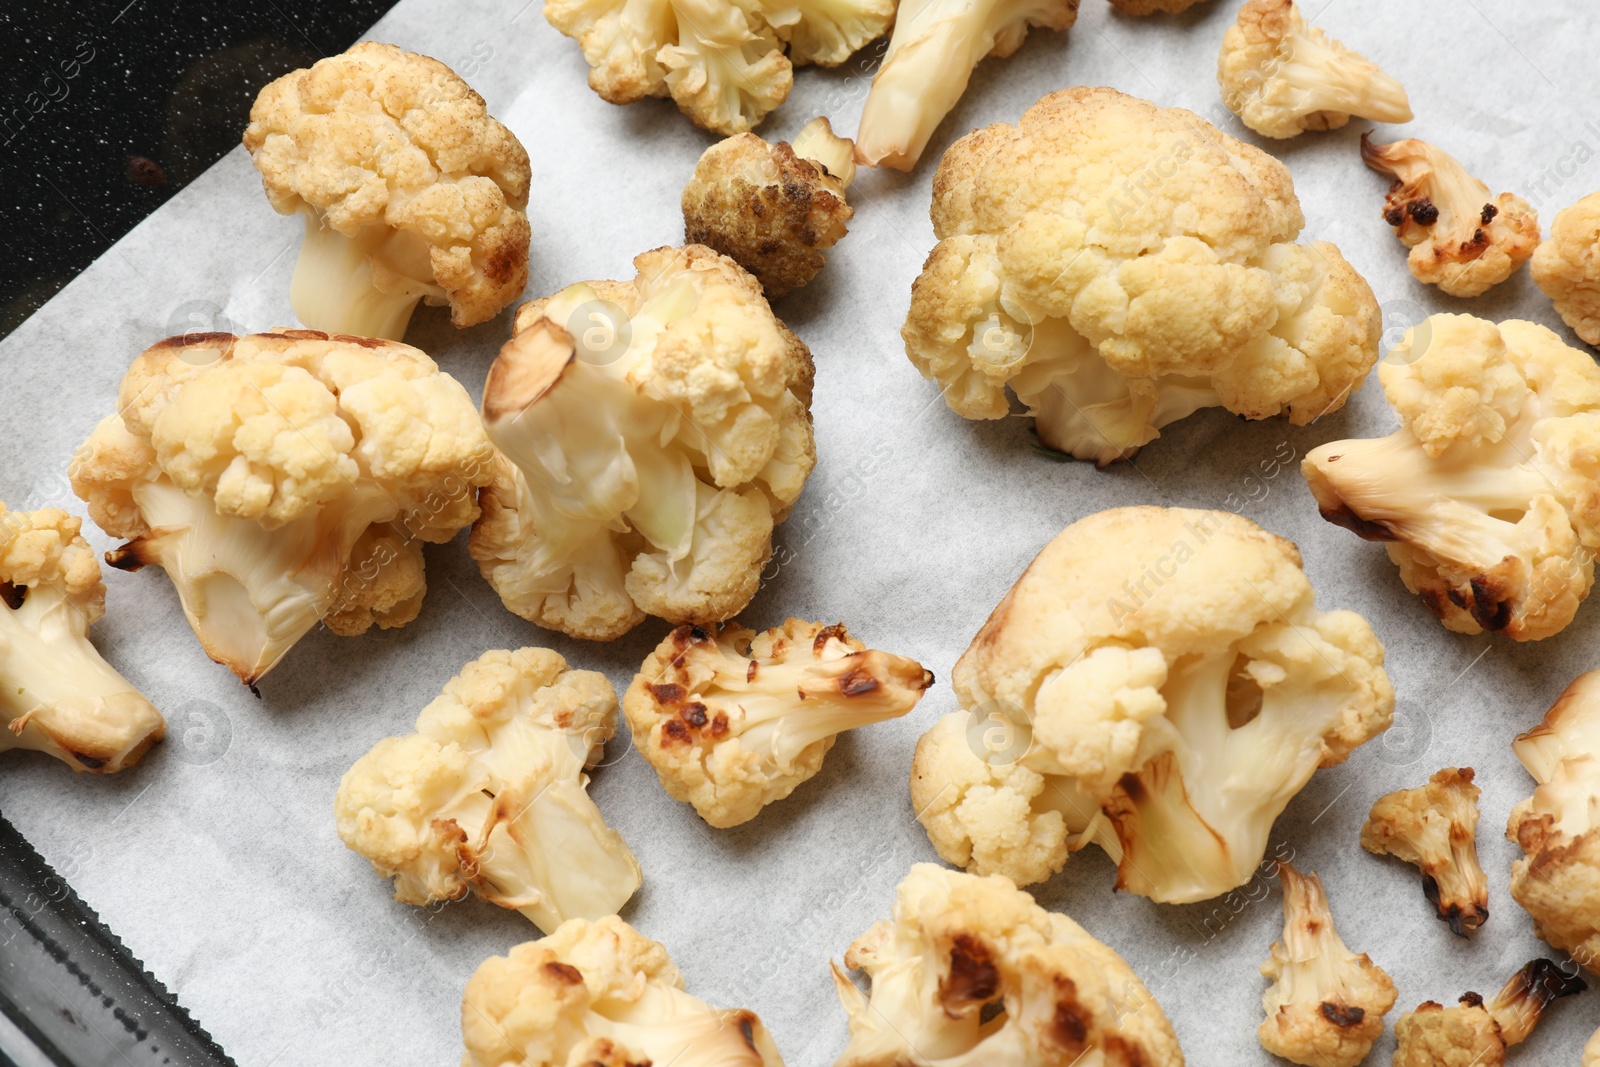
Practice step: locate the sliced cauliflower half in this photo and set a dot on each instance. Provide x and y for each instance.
(733, 720)
(970, 972)
(1567, 267)
(57, 694)
(410, 191)
(652, 433)
(600, 994)
(1283, 76)
(282, 479)
(1486, 496)
(1434, 827)
(1119, 266)
(1477, 1032)
(1173, 685)
(489, 794)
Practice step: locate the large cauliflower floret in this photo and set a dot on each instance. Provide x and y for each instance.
(282, 479)
(410, 191)
(489, 794)
(722, 61)
(1326, 1005)
(733, 720)
(1476, 1033)
(970, 972)
(1558, 827)
(652, 433)
(1567, 267)
(57, 694)
(1178, 687)
(600, 994)
(1462, 239)
(1283, 76)
(932, 53)
(1486, 496)
(1434, 827)
(1119, 266)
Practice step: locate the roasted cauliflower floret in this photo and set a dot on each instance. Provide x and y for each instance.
(932, 53)
(57, 694)
(1485, 496)
(1434, 828)
(1476, 1033)
(1462, 239)
(1326, 1005)
(652, 432)
(1178, 687)
(1120, 266)
(282, 479)
(489, 794)
(733, 720)
(599, 994)
(1283, 76)
(410, 191)
(1567, 267)
(775, 209)
(970, 972)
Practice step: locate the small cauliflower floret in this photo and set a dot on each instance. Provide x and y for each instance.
(489, 794)
(1486, 494)
(970, 972)
(600, 994)
(410, 191)
(652, 433)
(1119, 266)
(1461, 239)
(1434, 828)
(1326, 1005)
(773, 208)
(283, 479)
(57, 694)
(1476, 1033)
(733, 720)
(1567, 267)
(932, 53)
(1283, 76)
(1179, 687)
(1558, 828)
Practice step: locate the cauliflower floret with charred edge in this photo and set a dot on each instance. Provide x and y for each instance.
(1434, 827)
(1462, 239)
(1119, 266)
(1326, 1005)
(1172, 685)
(1567, 267)
(773, 208)
(57, 694)
(600, 994)
(1477, 1032)
(970, 972)
(1558, 828)
(1486, 496)
(283, 479)
(410, 191)
(489, 794)
(733, 720)
(648, 452)
(1283, 76)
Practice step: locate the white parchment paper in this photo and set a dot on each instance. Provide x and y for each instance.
(217, 861)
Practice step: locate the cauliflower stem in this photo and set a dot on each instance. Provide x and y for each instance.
(333, 281)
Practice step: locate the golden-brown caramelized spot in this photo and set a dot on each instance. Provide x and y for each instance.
(364, 342)
(973, 979)
(747, 1028)
(857, 682)
(131, 555)
(1342, 1015)
(695, 715)
(750, 672)
(302, 335)
(828, 633)
(668, 694)
(719, 725)
(674, 732)
(198, 340)
(564, 973)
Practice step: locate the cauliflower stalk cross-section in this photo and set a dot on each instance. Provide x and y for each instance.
(970, 972)
(283, 479)
(489, 794)
(1477, 1032)
(57, 694)
(1119, 266)
(410, 191)
(1174, 686)
(733, 720)
(1434, 828)
(652, 433)
(1486, 497)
